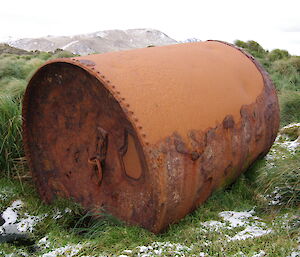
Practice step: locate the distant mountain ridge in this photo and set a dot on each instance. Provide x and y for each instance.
(97, 42)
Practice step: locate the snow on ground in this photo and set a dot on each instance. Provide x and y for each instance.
(58, 214)
(295, 254)
(160, 249)
(251, 225)
(285, 143)
(69, 44)
(241, 254)
(67, 251)
(15, 225)
(44, 243)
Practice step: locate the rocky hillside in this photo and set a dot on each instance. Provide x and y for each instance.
(7, 49)
(97, 42)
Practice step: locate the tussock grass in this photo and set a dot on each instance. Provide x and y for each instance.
(11, 150)
(290, 107)
(282, 179)
(93, 223)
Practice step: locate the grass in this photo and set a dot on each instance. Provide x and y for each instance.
(110, 237)
(290, 106)
(10, 136)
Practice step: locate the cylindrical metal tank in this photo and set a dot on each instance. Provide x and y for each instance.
(147, 134)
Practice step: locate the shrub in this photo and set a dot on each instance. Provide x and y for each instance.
(252, 47)
(290, 107)
(59, 53)
(278, 54)
(287, 66)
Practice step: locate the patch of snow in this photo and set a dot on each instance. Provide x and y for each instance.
(275, 197)
(292, 125)
(237, 219)
(295, 254)
(27, 224)
(10, 215)
(67, 210)
(44, 243)
(213, 225)
(260, 254)
(127, 251)
(250, 232)
(101, 34)
(69, 44)
(58, 214)
(67, 251)
(252, 225)
(160, 249)
(14, 225)
(291, 146)
(283, 143)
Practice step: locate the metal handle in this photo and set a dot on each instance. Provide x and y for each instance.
(101, 149)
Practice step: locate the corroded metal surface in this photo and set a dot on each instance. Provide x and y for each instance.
(147, 134)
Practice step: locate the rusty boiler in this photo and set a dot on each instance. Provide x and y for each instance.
(147, 134)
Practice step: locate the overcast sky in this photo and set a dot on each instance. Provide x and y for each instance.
(272, 23)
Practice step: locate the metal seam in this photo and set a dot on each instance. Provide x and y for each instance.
(121, 100)
(106, 83)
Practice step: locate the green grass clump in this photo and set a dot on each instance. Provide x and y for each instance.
(287, 66)
(282, 179)
(290, 107)
(11, 150)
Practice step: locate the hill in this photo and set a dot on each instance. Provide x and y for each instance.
(97, 42)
